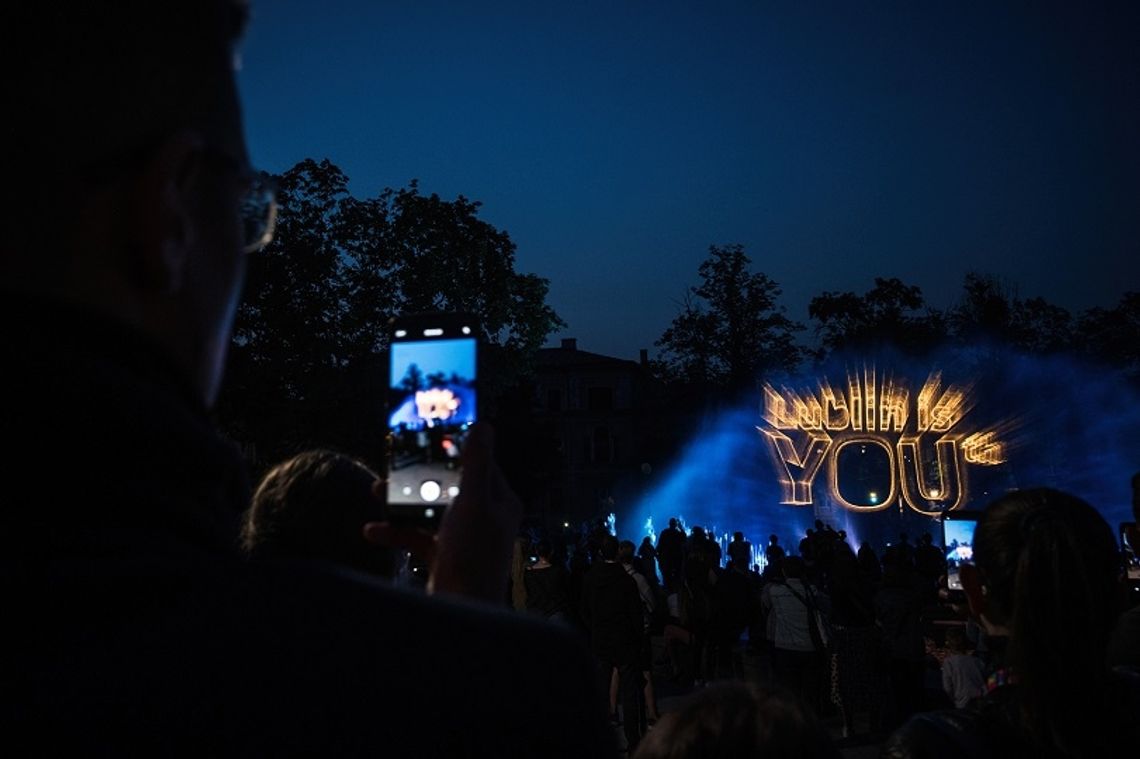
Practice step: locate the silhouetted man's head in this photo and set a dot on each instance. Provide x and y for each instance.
(134, 194)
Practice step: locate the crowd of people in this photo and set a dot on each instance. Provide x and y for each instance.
(147, 616)
(826, 633)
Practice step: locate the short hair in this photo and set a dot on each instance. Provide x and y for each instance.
(738, 536)
(314, 506)
(626, 551)
(734, 719)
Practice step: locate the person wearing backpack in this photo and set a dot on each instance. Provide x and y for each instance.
(798, 663)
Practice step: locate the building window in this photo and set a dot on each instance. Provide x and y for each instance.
(600, 399)
(554, 399)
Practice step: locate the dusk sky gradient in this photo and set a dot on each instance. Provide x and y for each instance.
(615, 141)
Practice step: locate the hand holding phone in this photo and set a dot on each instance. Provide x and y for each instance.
(471, 554)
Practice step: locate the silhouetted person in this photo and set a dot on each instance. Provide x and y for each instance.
(740, 551)
(869, 565)
(648, 555)
(1043, 580)
(671, 555)
(929, 562)
(807, 546)
(898, 610)
(796, 663)
(612, 613)
(547, 585)
(142, 630)
(774, 552)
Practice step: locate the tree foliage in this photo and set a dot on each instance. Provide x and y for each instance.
(730, 330)
(990, 312)
(1112, 336)
(305, 363)
(889, 314)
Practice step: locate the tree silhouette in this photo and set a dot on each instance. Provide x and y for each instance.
(414, 380)
(1112, 336)
(306, 364)
(890, 314)
(730, 330)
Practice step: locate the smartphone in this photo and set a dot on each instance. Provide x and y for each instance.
(1128, 548)
(432, 403)
(958, 543)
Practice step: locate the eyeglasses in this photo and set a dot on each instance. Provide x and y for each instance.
(258, 213)
(258, 206)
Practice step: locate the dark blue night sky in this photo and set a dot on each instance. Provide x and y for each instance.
(616, 141)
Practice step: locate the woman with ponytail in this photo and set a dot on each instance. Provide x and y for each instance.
(1042, 586)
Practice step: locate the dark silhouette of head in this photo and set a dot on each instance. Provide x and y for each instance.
(773, 539)
(609, 547)
(673, 522)
(793, 567)
(735, 719)
(738, 536)
(132, 169)
(1045, 570)
(625, 552)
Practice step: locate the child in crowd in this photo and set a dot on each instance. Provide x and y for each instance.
(962, 676)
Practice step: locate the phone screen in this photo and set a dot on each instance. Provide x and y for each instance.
(1128, 550)
(431, 407)
(958, 542)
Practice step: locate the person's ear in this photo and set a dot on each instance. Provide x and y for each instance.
(972, 585)
(164, 205)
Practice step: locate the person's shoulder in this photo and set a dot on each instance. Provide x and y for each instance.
(931, 735)
(467, 662)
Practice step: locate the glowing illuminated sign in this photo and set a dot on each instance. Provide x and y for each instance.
(435, 404)
(919, 440)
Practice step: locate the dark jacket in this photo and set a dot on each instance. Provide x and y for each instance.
(612, 612)
(547, 590)
(133, 627)
(990, 729)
